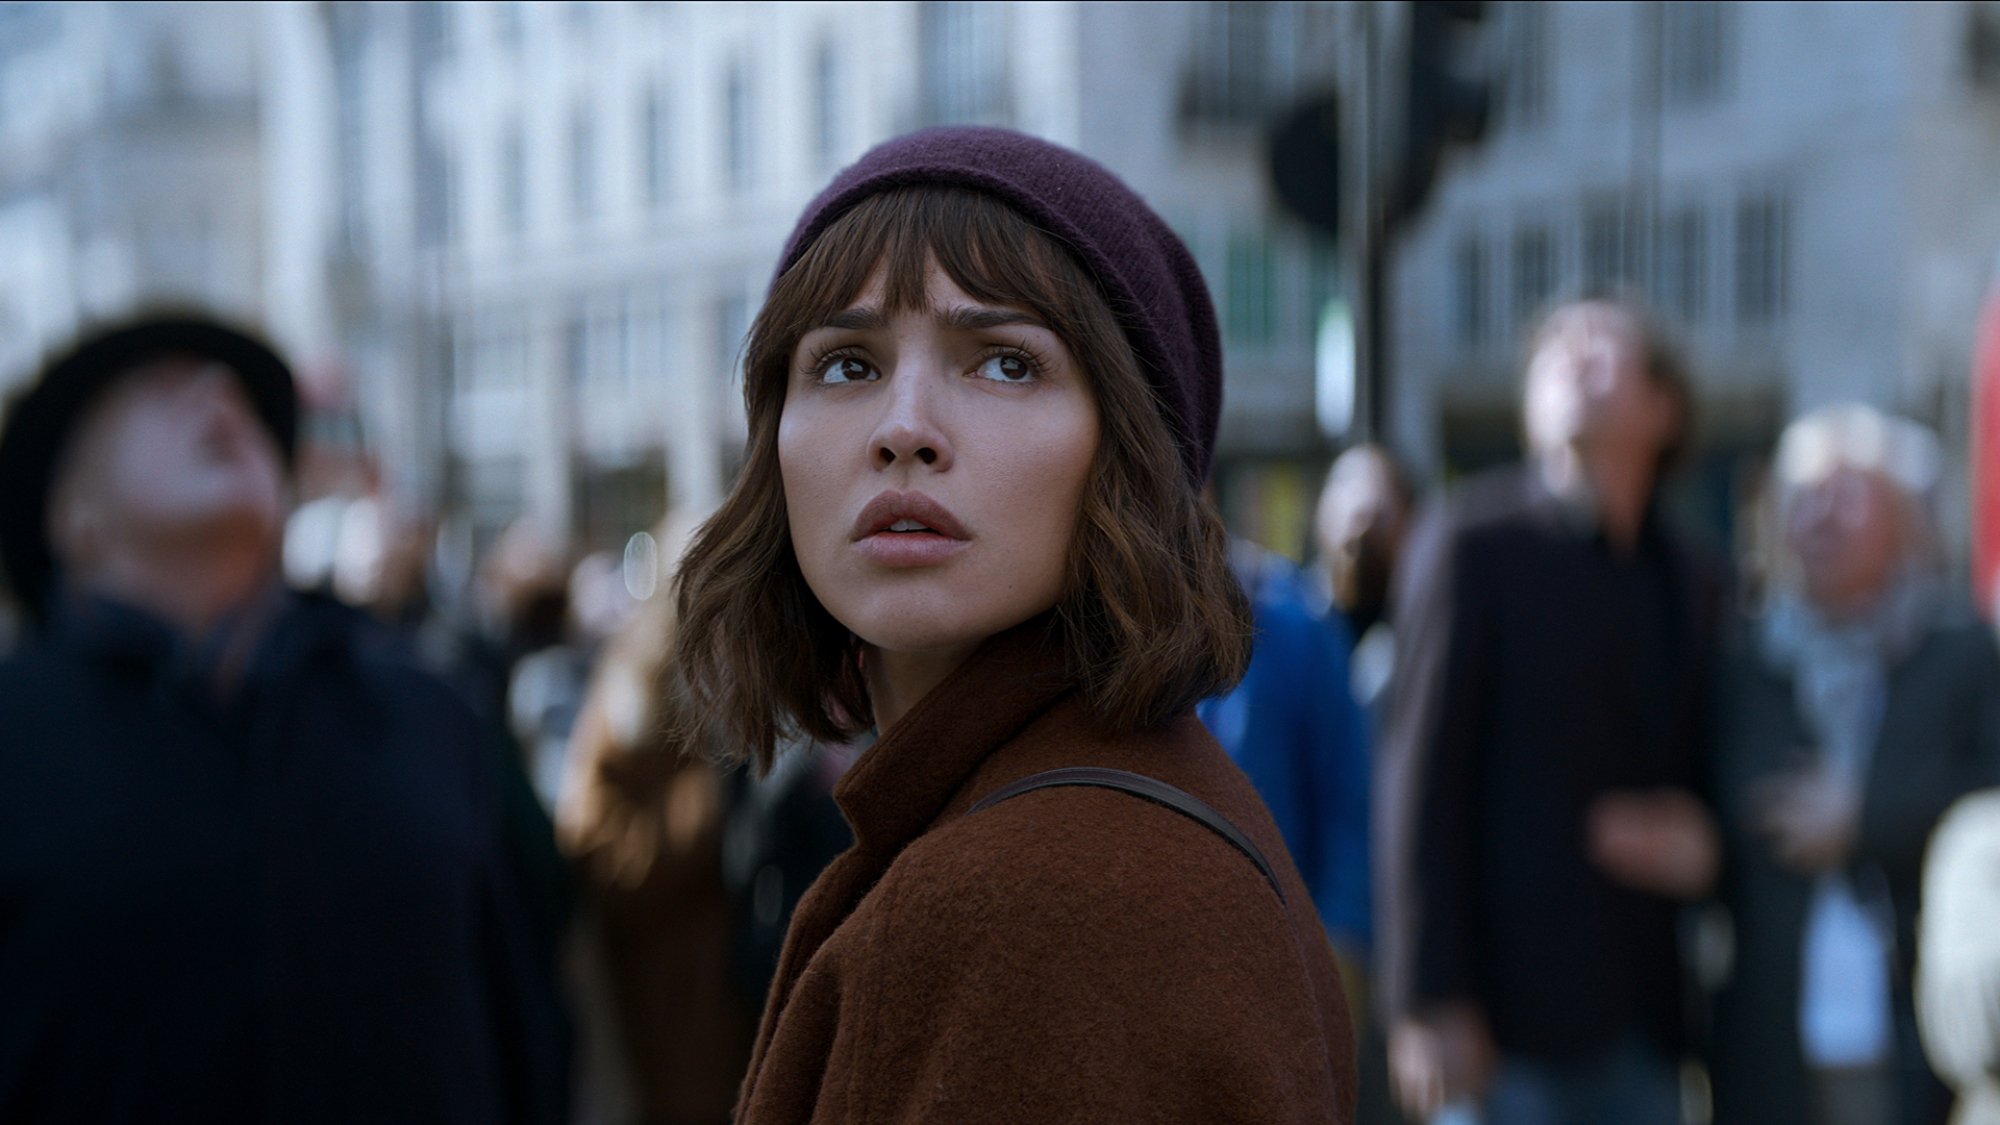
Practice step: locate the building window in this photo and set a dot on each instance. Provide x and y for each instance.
(1250, 313)
(1475, 310)
(1523, 89)
(1762, 250)
(645, 342)
(1244, 60)
(1683, 263)
(437, 194)
(1982, 46)
(732, 322)
(582, 163)
(514, 180)
(498, 357)
(828, 106)
(608, 352)
(349, 47)
(510, 23)
(1534, 270)
(964, 76)
(1610, 260)
(576, 348)
(1694, 50)
(655, 160)
(430, 31)
(736, 134)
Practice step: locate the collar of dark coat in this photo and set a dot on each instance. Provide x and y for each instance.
(1578, 516)
(904, 782)
(103, 629)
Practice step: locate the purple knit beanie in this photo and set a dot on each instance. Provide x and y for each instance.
(1145, 273)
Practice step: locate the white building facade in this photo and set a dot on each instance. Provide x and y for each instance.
(1803, 190)
(581, 205)
(129, 166)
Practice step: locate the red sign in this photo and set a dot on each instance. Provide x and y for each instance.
(1986, 456)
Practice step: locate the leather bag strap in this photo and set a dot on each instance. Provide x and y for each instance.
(1139, 785)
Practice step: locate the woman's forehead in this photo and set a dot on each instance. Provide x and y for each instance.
(931, 291)
(934, 293)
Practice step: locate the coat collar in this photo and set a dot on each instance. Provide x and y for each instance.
(901, 784)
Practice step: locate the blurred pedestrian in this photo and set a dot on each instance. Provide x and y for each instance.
(693, 870)
(1545, 742)
(1853, 712)
(1362, 521)
(253, 864)
(1295, 730)
(983, 396)
(1958, 957)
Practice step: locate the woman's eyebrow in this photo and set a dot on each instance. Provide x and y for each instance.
(971, 318)
(860, 318)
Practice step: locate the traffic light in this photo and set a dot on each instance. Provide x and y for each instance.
(1445, 96)
(1432, 93)
(1305, 162)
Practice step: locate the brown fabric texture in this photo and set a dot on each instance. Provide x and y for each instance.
(1072, 954)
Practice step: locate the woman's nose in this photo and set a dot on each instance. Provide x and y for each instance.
(909, 431)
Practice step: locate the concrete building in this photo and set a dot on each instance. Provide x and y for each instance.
(1805, 189)
(561, 218)
(129, 166)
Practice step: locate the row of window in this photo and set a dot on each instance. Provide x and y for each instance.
(1694, 262)
(611, 343)
(653, 135)
(1692, 46)
(1246, 59)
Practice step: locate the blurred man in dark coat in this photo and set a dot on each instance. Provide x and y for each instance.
(1543, 746)
(252, 860)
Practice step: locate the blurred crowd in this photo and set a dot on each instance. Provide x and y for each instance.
(1602, 828)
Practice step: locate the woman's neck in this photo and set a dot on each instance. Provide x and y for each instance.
(897, 680)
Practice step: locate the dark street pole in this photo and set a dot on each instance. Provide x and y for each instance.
(1371, 351)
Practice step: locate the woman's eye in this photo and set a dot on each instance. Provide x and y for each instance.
(1007, 369)
(845, 369)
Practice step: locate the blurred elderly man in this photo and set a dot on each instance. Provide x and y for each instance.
(1853, 713)
(252, 865)
(1544, 741)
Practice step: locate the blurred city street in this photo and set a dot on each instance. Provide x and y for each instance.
(512, 250)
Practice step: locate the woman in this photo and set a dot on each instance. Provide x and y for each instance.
(983, 396)
(1853, 714)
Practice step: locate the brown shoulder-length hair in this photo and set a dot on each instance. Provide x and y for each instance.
(1151, 619)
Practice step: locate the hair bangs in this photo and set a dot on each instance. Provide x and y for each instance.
(987, 248)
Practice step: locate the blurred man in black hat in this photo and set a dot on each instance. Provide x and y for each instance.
(252, 860)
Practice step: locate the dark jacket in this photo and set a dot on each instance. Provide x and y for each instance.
(1537, 669)
(296, 906)
(1067, 955)
(1940, 738)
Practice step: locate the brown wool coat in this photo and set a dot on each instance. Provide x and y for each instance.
(1068, 955)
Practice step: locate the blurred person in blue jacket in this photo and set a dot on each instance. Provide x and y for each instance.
(1292, 725)
(255, 865)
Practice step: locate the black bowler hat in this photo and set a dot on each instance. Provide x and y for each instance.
(38, 426)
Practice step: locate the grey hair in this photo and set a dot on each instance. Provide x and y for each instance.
(1858, 436)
